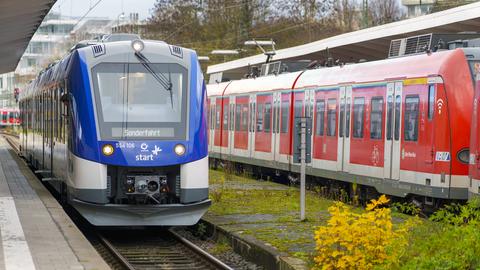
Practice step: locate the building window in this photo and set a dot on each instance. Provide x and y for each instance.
(358, 113)
(376, 124)
(411, 118)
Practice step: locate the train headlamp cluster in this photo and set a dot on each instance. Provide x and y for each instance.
(138, 45)
(179, 149)
(107, 150)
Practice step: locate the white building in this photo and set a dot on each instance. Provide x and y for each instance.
(7, 87)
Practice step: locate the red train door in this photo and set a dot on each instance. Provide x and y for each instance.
(263, 127)
(217, 102)
(393, 127)
(240, 141)
(282, 137)
(343, 149)
(231, 125)
(251, 127)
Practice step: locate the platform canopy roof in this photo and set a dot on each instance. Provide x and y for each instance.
(370, 43)
(19, 19)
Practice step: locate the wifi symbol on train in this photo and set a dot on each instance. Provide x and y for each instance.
(440, 104)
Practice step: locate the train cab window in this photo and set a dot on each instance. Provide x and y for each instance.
(320, 117)
(259, 117)
(217, 117)
(284, 116)
(431, 101)
(238, 114)
(376, 114)
(331, 117)
(389, 117)
(358, 116)
(268, 116)
(411, 118)
(244, 121)
(225, 116)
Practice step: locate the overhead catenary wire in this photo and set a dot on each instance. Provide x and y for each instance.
(86, 13)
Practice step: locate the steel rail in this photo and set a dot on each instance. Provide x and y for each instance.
(210, 258)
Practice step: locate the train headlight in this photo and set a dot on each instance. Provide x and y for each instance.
(107, 150)
(179, 149)
(138, 45)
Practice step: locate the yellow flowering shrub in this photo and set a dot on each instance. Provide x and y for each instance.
(358, 240)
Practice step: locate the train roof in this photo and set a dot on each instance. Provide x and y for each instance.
(416, 66)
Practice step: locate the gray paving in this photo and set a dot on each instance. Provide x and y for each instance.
(53, 239)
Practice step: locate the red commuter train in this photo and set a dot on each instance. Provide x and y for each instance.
(400, 125)
(9, 117)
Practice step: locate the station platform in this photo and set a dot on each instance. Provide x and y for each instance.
(260, 220)
(35, 232)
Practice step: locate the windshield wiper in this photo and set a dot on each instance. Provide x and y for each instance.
(161, 79)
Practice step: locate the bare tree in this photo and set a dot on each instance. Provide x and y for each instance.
(385, 11)
(346, 15)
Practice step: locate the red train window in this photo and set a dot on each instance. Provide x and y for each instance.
(268, 116)
(331, 117)
(376, 124)
(259, 117)
(411, 118)
(284, 111)
(431, 101)
(358, 116)
(320, 117)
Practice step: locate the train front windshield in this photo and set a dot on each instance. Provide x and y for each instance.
(139, 101)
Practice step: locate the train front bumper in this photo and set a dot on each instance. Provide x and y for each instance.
(142, 215)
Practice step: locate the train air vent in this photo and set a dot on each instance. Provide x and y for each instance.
(98, 50)
(410, 45)
(395, 47)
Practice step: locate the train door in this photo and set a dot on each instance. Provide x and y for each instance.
(251, 126)
(231, 133)
(276, 124)
(282, 140)
(309, 109)
(343, 147)
(298, 110)
(428, 130)
(225, 126)
(263, 127)
(241, 130)
(217, 140)
(392, 152)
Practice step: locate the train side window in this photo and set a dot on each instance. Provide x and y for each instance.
(331, 117)
(398, 104)
(225, 116)
(342, 117)
(320, 117)
(411, 118)
(232, 116)
(268, 116)
(298, 108)
(389, 117)
(284, 115)
(217, 116)
(347, 119)
(431, 101)
(238, 114)
(244, 124)
(358, 116)
(259, 117)
(376, 114)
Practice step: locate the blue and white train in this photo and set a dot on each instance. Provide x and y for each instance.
(119, 129)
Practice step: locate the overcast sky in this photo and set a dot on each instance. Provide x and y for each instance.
(106, 8)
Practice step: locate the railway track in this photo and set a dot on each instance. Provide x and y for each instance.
(146, 249)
